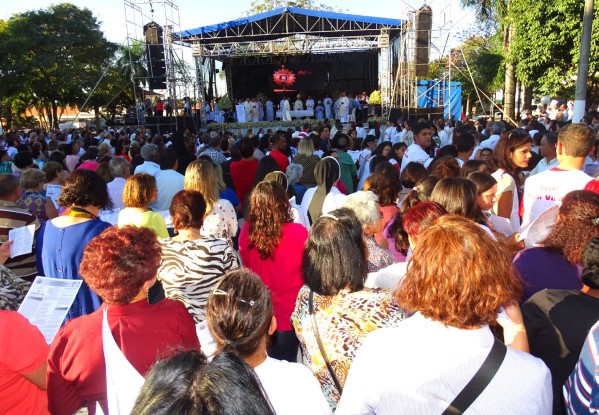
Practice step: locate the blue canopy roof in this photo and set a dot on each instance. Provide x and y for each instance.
(374, 23)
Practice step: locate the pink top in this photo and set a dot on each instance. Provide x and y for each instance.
(282, 272)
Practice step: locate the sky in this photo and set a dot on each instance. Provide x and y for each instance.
(114, 16)
(197, 13)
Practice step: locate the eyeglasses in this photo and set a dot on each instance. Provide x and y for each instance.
(221, 292)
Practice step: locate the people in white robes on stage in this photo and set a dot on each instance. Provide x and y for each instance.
(299, 105)
(286, 109)
(270, 110)
(319, 111)
(255, 110)
(328, 107)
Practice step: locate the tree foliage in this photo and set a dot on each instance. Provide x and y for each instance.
(56, 55)
(546, 47)
(261, 6)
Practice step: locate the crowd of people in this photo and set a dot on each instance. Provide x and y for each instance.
(416, 267)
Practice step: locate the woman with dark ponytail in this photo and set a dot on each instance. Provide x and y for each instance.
(549, 317)
(241, 319)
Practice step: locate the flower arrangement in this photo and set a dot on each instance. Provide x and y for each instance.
(375, 98)
(224, 103)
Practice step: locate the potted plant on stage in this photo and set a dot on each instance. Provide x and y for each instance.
(225, 104)
(375, 103)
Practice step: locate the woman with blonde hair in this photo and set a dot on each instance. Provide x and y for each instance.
(423, 364)
(139, 191)
(220, 220)
(307, 159)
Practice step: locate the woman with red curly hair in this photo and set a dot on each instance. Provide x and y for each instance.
(120, 265)
(555, 264)
(421, 365)
(271, 245)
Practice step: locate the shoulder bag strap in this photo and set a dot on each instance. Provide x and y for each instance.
(320, 345)
(479, 381)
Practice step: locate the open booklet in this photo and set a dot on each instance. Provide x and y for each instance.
(47, 303)
(539, 229)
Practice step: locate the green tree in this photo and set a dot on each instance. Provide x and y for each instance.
(499, 12)
(260, 6)
(547, 44)
(56, 55)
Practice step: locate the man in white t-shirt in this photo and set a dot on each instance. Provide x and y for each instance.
(547, 189)
(416, 152)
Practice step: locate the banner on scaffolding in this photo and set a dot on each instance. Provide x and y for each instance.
(435, 93)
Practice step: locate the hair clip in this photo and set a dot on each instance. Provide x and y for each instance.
(328, 215)
(595, 221)
(221, 292)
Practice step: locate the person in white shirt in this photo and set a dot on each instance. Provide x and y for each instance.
(168, 181)
(549, 152)
(511, 156)
(240, 317)
(496, 130)
(546, 189)
(149, 152)
(423, 135)
(119, 169)
(422, 364)
(298, 104)
(325, 197)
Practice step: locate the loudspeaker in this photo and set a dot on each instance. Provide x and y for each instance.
(424, 24)
(155, 55)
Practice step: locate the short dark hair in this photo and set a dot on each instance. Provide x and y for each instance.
(246, 148)
(166, 387)
(187, 209)
(464, 142)
(23, 159)
(167, 159)
(335, 236)
(8, 184)
(421, 126)
(84, 188)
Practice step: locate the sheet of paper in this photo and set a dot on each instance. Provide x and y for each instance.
(53, 191)
(540, 228)
(166, 215)
(47, 303)
(22, 240)
(501, 225)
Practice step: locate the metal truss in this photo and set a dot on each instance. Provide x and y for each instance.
(166, 13)
(296, 44)
(280, 59)
(288, 24)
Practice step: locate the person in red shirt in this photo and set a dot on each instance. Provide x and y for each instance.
(279, 144)
(243, 172)
(271, 245)
(120, 265)
(23, 354)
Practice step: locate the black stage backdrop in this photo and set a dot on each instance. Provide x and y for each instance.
(312, 78)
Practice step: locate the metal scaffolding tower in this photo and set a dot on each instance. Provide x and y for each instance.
(165, 15)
